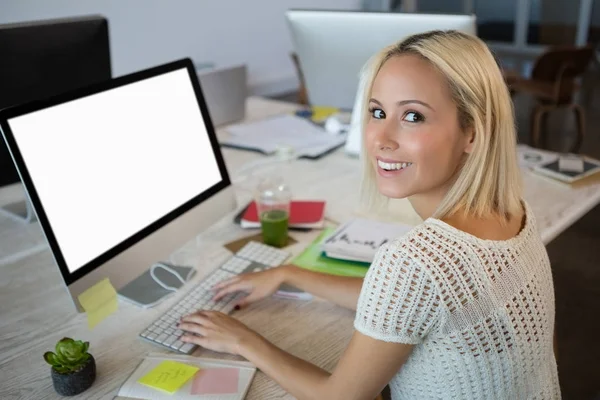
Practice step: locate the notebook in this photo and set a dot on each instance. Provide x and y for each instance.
(266, 136)
(569, 168)
(303, 214)
(169, 376)
(312, 258)
(360, 238)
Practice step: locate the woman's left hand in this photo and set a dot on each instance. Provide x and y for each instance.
(217, 331)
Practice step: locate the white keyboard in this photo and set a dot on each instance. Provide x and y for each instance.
(254, 256)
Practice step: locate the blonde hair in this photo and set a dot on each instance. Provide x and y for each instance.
(489, 180)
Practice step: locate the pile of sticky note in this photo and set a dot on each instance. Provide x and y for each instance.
(99, 301)
(317, 114)
(216, 381)
(169, 376)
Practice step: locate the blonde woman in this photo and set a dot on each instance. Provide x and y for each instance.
(462, 307)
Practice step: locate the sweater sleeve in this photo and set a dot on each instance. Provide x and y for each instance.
(398, 300)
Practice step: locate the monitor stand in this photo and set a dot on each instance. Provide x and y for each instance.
(21, 211)
(156, 284)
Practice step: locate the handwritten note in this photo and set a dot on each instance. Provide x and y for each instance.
(216, 381)
(99, 301)
(168, 376)
(359, 239)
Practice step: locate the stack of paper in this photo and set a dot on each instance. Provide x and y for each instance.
(304, 137)
(359, 239)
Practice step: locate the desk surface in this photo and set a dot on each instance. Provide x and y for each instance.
(36, 311)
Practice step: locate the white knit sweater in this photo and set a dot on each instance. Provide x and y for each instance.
(479, 312)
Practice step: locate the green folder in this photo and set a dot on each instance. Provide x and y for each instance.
(312, 258)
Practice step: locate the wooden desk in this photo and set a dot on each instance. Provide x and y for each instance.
(36, 311)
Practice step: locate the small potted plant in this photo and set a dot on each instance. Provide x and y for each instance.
(73, 368)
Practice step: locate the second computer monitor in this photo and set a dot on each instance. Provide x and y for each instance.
(48, 57)
(333, 46)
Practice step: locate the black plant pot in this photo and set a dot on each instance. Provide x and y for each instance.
(75, 382)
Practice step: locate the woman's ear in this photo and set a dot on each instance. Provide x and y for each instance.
(470, 136)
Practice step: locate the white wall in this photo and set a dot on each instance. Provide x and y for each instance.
(145, 33)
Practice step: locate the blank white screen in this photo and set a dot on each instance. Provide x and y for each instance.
(108, 165)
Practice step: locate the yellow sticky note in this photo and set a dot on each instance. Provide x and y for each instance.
(168, 376)
(99, 301)
(320, 113)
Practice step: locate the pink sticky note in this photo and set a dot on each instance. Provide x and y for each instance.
(216, 381)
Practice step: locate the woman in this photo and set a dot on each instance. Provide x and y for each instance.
(461, 307)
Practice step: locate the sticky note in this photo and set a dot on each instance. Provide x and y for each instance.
(99, 301)
(570, 164)
(168, 376)
(216, 381)
(320, 113)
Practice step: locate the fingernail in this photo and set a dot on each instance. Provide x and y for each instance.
(236, 307)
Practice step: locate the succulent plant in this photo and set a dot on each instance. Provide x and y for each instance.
(70, 356)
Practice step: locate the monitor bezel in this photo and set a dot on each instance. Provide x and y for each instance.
(20, 110)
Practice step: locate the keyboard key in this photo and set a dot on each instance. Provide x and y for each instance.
(161, 338)
(177, 344)
(187, 348)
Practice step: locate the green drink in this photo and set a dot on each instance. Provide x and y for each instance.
(274, 225)
(273, 199)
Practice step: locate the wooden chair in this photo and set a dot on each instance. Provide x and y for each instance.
(302, 94)
(553, 84)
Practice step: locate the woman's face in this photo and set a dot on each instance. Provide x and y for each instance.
(413, 135)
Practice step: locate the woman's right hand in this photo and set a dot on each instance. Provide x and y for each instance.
(258, 285)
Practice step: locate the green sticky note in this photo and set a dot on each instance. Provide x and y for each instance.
(168, 376)
(99, 301)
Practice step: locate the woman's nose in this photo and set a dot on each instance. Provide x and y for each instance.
(385, 138)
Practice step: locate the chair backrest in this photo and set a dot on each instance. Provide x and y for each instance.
(302, 94)
(569, 61)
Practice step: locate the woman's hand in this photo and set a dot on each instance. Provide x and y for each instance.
(258, 285)
(217, 331)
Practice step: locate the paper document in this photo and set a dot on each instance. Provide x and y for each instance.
(306, 138)
(530, 157)
(359, 239)
(570, 163)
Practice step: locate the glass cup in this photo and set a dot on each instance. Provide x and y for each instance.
(273, 199)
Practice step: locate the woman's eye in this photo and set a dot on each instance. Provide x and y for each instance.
(413, 116)
(377, 113)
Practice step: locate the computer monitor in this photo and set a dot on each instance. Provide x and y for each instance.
(333, 46)
(48, 57)
(120, 173)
